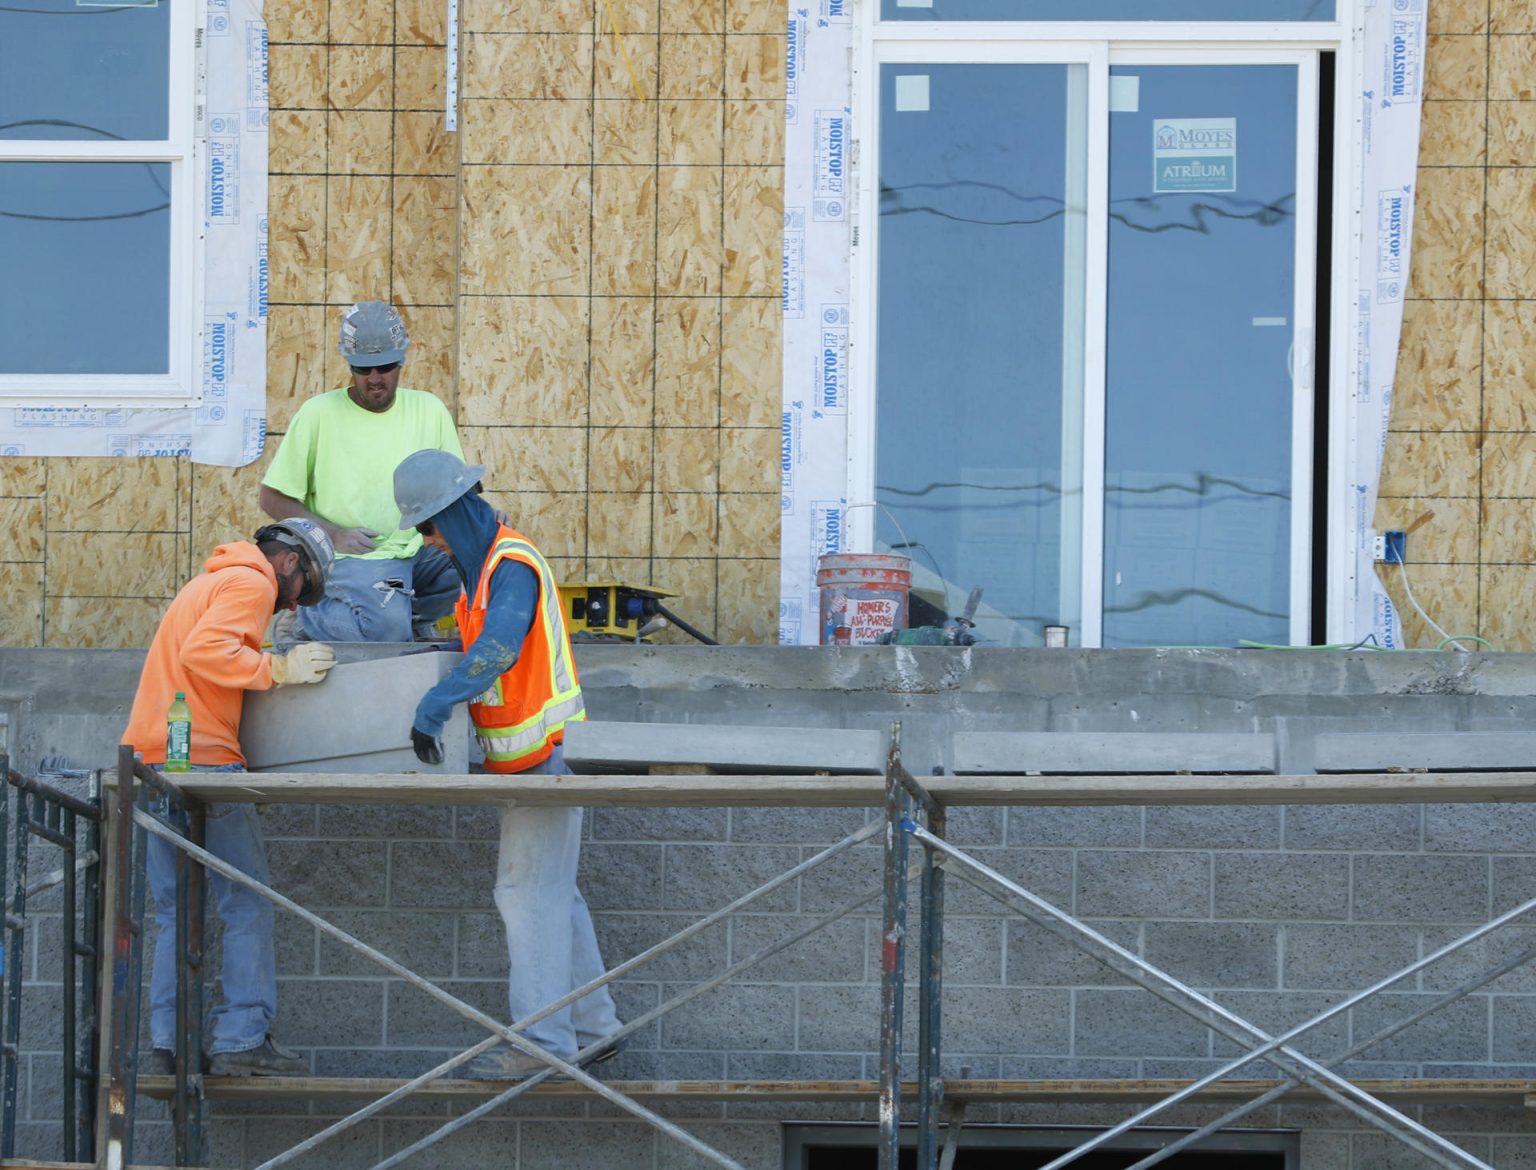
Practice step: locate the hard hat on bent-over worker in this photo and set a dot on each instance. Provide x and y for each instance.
(428, 481)
(373, 334)
(309, 540)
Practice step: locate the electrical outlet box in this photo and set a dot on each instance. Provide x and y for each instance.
(1391, 547)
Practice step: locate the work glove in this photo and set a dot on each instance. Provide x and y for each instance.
(305, 663)
(429, 748)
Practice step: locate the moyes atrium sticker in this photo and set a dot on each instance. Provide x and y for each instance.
(1194, 154)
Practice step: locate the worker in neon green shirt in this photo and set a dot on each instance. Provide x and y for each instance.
(336, 466)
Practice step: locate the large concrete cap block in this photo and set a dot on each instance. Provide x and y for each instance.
(357, 720)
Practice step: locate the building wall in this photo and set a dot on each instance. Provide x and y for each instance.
(1460, 465)
(591, 280)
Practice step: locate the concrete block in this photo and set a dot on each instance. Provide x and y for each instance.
(1111, 1022)
(833, 954)
(357, 720)
(797, 826)
(1037, 957)
(329, 876)
(1108, 752)
(1514, 1029)
(1462, 751)
(732, 1017)
(1067, 1068)
(440, 873)
(1349, 827)
(485, 1143)
(1225, 827)
(1119, 883)
(1215, 954)
(754, 1145)
(352, 1149)
(623, 936)
(623, 877)
(1046, 873)
(585, 1145)
(1007, 1019)
(1344, 957)
(1458, 1031)
(1479, 828)
(793, 1066)
(1111, 827)
(385, 822)
(1395, 888)
(706, 877)
(660, 824)
(416, 1019)
(845, 1018)
(1284, 886)
(1378, 1151)
(600, 746)
(1481, 956)
(327, 1012)
(1280, 1011)
(422, 941)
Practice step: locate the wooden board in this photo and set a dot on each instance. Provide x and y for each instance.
(1509, 1091)
(860, 791)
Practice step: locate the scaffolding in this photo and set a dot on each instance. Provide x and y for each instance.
(145, 803)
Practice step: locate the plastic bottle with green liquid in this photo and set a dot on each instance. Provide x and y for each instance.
(178, 735)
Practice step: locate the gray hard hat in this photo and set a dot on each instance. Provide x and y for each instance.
(310, 541)
(373, 334)
(428, 481)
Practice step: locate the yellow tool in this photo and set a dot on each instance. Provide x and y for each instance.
(611, 607)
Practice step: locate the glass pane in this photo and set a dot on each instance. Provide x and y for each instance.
(980, 289)
(77, 70)
(1202, 245)
(1309, 10)
(94, 242)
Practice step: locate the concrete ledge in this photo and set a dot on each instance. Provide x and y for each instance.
(596, 745)
(1063, 753)
(1462, 751)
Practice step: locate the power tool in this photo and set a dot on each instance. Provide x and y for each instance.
(954, 632)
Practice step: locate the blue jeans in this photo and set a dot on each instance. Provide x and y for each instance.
(249, 970)
(550, 941)
(379, 600)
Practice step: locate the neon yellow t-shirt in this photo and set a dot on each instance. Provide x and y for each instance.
(339, 461)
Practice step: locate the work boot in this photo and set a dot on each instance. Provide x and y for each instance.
(159, 1062)
(503, 1063)
(267, 1059)
(607, 1052)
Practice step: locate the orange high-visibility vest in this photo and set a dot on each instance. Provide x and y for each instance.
(523, 714)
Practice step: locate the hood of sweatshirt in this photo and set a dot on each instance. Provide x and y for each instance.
(240, 554)
(469, 526)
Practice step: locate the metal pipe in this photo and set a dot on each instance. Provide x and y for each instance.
(490, 1023)
(124, 1032)
(15, 949)
(892, 955)
(54, 795)
(90, 964)
(69, 975)
(930, 1080)
(7, 1062)
(1280, 1090)
(1207, 1011)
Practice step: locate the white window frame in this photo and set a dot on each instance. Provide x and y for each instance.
(182, 384)
(1099, 45)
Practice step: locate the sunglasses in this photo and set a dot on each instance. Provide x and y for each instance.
(387, 369)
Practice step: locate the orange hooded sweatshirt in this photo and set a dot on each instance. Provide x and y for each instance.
(208, 646)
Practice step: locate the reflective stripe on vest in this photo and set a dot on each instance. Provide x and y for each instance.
(510, 747)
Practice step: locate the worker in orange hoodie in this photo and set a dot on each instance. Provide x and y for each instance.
(208, 647)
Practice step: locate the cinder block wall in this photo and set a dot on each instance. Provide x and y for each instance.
(589, 269)
(1458, 466)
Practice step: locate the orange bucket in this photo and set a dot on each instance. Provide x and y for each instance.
(863, 596)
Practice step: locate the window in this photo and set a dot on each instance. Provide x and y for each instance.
(1089, 384)
(99, 224)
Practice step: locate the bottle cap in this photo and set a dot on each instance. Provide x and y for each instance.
(181, 694)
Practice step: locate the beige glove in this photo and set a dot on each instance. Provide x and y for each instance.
(305, 663)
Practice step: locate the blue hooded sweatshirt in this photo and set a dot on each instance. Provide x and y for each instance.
(469, 526)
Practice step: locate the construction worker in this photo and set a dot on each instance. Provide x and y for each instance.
(334, 467)
(208, 647)
(519, 679)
